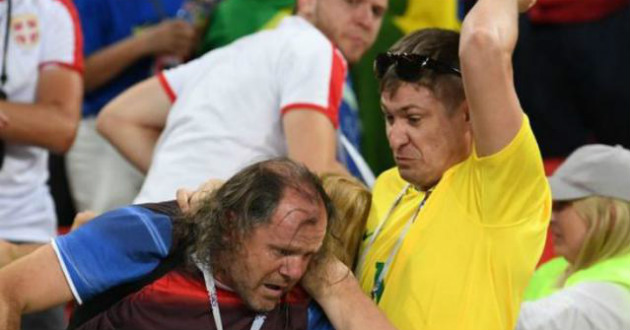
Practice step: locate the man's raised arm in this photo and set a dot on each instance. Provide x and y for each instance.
(488, 37)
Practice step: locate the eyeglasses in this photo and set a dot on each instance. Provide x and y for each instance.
(409, 67)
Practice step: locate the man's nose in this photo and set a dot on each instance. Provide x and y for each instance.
(397, 135)
(293, 267)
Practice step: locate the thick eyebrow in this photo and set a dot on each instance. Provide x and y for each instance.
(403, 109)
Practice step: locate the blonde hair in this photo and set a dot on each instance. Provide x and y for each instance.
(608, 233)
(352, 201)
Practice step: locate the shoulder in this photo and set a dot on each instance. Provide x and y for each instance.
(387, 185)
(389, 179)
(58, 7)
(302, 38)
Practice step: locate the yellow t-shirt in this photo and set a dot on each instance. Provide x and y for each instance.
(472, 248)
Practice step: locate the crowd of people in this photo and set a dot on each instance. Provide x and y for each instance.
(288, 228)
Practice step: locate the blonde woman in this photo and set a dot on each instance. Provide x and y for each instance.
(588, 286)
(352, 202)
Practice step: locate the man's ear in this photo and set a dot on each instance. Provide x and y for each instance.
(465, 111)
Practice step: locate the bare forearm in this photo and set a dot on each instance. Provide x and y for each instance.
(347, 307)
(133, 121)
(337, 291)
(42, 125)
(9, 313)
(488, 38)
(135, 143)
(320, 166)
(103, 66)
(10, 252)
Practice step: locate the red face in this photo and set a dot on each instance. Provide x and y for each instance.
(276, 255)
(352, 25)
(424, 139)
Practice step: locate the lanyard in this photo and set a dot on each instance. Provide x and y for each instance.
(378, 283)
(259, 320)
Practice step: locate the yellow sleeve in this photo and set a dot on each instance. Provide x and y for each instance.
(507, 187)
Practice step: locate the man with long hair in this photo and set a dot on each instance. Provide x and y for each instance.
(245, 249)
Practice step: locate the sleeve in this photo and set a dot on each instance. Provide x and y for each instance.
(62, 41)
(95, 20)
(117, 247)
(312, 76)
(583, 306)
(508, 187)
(317, 319)
(174, 80)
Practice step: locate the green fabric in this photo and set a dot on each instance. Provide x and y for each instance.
(233, 19)
(543, 283)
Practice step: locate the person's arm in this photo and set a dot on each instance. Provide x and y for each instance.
(337, 291)
(588, 305)
(173, 37)
(10, 252)
(311, 87)
(488, 37)
(133, 121)
(33, 283)
(51, 122)
(312, 140)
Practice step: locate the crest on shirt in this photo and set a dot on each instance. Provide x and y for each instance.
(25, 30)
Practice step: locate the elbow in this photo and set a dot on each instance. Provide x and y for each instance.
(331, 166)
(65, 138)
(106, 121)
(480, 45)
(65, 143)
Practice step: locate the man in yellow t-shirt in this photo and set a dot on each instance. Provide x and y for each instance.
(456, 229)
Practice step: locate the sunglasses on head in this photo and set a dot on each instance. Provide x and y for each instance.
(409, 67)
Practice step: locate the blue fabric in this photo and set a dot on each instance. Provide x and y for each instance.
(350, 125)
(106, 22)
(317, 320)
(120, 246)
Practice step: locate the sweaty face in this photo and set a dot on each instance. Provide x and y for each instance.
(276, 255)
(425, 140)
(568, 229)
(352, 25)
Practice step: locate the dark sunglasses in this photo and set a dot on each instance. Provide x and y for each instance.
(409, 67)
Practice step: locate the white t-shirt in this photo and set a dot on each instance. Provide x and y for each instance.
(42, 33)
(229, 104)
(584, 306)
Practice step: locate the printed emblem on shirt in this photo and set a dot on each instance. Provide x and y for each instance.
(25, 30)
(376, 295)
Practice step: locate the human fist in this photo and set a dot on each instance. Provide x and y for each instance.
(170, 37)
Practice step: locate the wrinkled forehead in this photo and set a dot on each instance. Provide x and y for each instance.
(299, 218)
